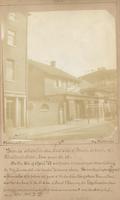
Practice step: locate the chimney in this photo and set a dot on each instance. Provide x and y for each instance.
(53, 63)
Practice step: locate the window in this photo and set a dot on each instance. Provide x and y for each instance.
(12, 16)
(58, 83)
(10, 109)
(11, 38)
(9, 73)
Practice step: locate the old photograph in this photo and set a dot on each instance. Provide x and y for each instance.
(60, 74)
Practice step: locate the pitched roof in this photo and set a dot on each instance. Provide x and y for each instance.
(85, 84)
(100, 75)
(52, 70)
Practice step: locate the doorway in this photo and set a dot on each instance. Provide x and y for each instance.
(10, 112)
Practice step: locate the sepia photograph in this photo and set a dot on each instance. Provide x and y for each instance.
(59, 99)
(59, 74)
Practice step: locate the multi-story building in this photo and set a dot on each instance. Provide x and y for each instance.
(14, 55)
(52, 94)
(103, 84)
(56, 97)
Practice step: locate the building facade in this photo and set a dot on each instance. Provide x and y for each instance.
(48, 87)
(56, 97)
(14, 54)
(103, 85)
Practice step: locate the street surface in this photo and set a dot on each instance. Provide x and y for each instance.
(73, 130)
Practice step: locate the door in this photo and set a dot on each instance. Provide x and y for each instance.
(10, 112)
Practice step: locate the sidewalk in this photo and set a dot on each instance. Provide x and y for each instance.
(70, 126)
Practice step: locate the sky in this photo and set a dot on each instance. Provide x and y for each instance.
(79, 41)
